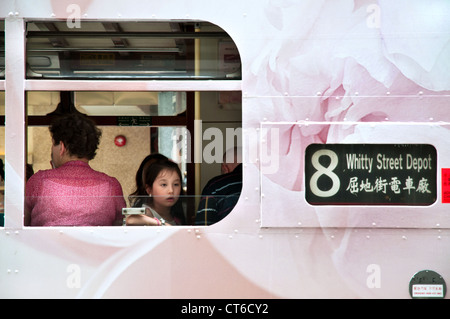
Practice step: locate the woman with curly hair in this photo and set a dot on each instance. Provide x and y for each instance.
(72, 193)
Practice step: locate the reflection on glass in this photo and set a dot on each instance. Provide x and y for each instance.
(130, 50)
(110, 103)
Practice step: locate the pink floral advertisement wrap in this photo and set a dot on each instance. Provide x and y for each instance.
(327, 72)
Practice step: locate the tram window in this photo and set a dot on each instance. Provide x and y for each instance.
(129, 50)
(151, 121)
(164, 127)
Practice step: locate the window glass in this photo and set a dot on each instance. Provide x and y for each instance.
(136, 124)
(128, 137)
(125, 104)
(130, 50)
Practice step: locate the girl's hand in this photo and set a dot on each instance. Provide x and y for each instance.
(142, 220)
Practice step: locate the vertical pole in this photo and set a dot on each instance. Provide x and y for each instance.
(14, 122)
(198, 134)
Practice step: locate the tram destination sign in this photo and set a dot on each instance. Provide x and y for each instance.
(371, 174)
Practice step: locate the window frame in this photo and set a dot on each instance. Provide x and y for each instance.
(16, 85)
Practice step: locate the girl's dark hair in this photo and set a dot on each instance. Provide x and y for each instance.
(138, 197)
(79, 134)
(151, 172)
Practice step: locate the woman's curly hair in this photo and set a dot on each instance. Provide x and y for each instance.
(79, 134)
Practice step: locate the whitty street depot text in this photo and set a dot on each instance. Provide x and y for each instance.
(381, 162)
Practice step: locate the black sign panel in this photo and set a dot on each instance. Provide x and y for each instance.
(371, 174)
(134, 120)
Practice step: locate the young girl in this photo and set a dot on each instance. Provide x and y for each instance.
(139, 196)
(162, 180)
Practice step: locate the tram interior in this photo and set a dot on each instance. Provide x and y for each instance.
(148, 120)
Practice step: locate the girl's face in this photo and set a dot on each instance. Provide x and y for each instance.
(166, 189)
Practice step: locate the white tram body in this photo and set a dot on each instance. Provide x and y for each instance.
(364, 74)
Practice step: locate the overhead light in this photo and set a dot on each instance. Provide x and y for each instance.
(126, 49)
(126, 72)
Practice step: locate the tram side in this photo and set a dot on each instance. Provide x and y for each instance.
(345, 144)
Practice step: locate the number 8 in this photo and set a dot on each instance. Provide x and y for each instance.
(328, 171)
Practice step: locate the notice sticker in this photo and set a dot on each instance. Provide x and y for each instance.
(446, 185)
(428, 291)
